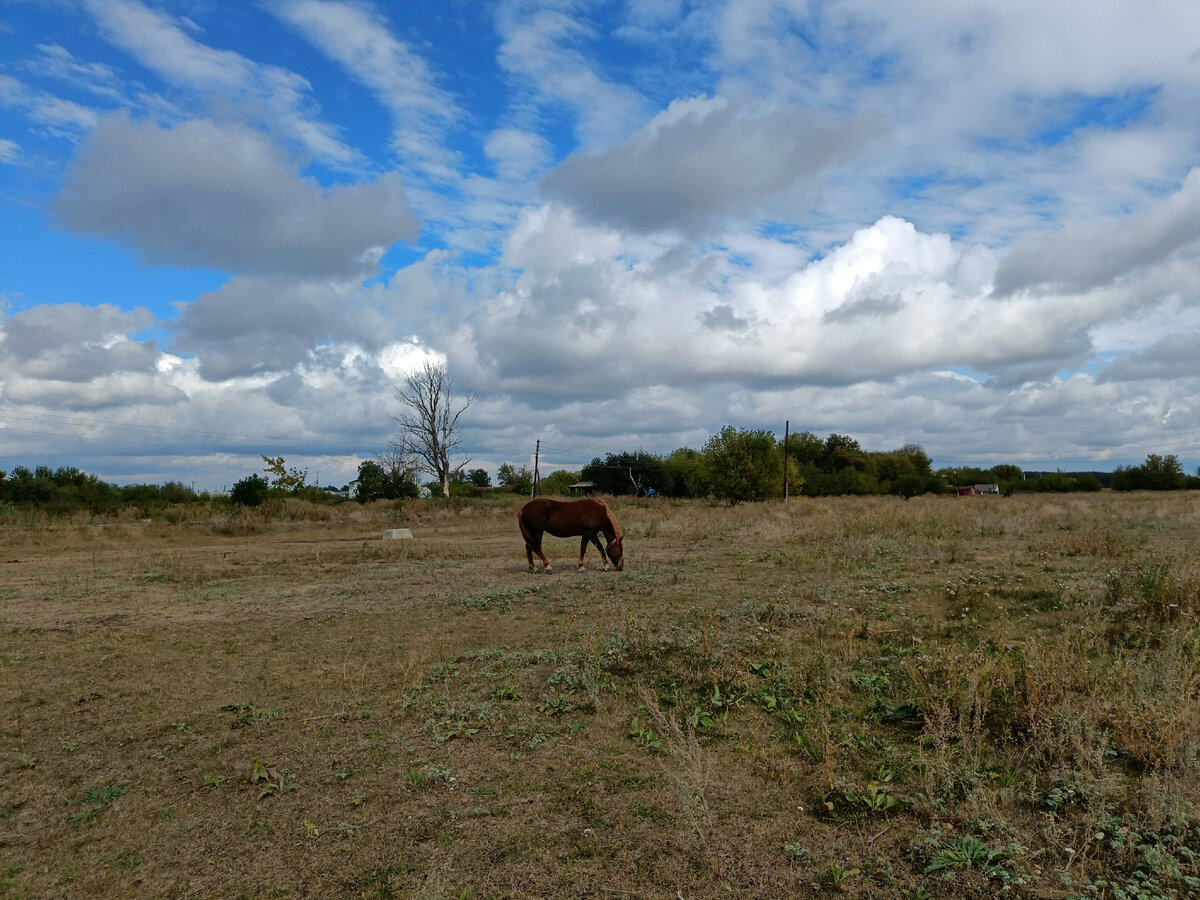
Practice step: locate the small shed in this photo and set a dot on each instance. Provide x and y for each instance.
(965, 490)
(987, 488)
(582, 489)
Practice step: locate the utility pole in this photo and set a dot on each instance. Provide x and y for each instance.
(787, 423)
(537, 452)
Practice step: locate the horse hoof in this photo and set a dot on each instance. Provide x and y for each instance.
(548, 569)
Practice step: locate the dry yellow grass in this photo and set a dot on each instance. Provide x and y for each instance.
(836, 694)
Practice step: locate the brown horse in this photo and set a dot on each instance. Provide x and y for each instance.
(587, 518)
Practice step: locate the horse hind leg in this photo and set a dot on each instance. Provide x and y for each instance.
(537, 548)
(533, 544)
(530, 550)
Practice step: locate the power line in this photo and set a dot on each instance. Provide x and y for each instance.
(58, 434)
(150, 431)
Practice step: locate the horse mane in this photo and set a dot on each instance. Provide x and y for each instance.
(612, 521)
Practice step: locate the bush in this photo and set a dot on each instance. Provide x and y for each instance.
(559, 482)
(743, 465)
(377, 483)
(250, 491)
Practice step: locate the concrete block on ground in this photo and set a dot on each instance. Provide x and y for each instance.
(397, 534)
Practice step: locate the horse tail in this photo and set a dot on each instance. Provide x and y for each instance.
(524, 528)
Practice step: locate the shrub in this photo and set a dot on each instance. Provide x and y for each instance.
(743, 465)
(250, 491)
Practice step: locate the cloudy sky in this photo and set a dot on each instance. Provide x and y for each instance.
(229, 229)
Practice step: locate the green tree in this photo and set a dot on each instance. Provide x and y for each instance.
(921, 462)
(906, 472)
(1164, 473)
(479, 478)
(684, 470)
(804, 447)
(378, 482)
(32, 488)
(1125, 478)
(626, 473)
(283, 478)
(843, 452)
(908, 486)
(67, 488)
(250, 491)
(78, 489)
(177, 492)
(1157, 473)
(371, 482)
(558, 482)
(962, 475)
(743, 465)
(1054, 482)
(517, 479)
(1007, 476)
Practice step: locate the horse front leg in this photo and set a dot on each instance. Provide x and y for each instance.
(603, 552)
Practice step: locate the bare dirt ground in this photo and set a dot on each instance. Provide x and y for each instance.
(861, 696)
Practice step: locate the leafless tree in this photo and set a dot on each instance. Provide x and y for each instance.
(429, 424)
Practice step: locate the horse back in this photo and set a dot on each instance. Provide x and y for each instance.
(565, 518)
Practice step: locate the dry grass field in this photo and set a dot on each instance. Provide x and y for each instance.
(864, 697)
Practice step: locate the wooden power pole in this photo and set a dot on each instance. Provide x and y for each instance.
(537, 452)
(787, 423)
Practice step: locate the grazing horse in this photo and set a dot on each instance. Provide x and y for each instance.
(587, 518)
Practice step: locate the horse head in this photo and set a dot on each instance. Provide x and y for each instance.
(616, 553)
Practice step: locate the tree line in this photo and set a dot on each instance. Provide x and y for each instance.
(66, 489)
(738, 465)
(734, 465)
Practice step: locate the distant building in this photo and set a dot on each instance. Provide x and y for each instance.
(975, 490)
(582, 489)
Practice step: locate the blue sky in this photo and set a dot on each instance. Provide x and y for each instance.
(229, 229)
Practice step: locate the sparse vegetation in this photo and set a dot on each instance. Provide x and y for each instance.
(864, 697)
